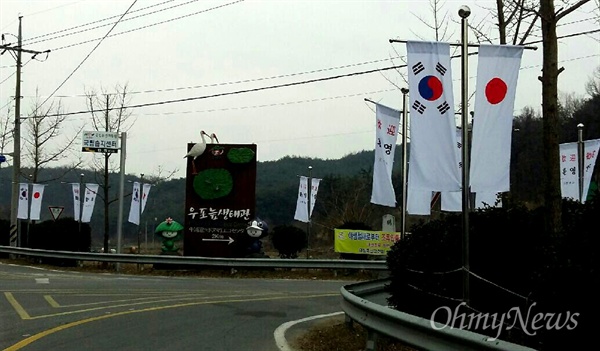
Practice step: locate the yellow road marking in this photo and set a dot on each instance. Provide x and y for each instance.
(40, 335)
(17, 306)
(24, 315)
(51, 301)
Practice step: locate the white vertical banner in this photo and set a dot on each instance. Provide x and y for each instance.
(591, 149)
(76, 200)
(483, 200)
(452, 200)
(88, 203)
(134, 210)
(433, 163)
(497, 74)
(386, 134)
(146, 190)
(302, 202)
(418, 202)
(23, 209)
(569, 171)
(37, 193)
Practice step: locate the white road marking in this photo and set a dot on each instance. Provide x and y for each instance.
(279, 333)
(42, 280)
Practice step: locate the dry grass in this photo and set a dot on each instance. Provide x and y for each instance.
(338, 336)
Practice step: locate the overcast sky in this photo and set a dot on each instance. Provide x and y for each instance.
(204, 48)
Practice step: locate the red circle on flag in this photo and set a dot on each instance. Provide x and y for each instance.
(36, 194)
(495, 91)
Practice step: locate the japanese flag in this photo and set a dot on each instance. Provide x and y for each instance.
(37, 192)
(497, 73)
(433, 164)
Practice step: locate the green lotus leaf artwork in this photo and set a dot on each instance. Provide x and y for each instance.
(240, 155)
(213, 183)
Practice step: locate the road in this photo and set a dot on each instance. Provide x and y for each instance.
(62, 310)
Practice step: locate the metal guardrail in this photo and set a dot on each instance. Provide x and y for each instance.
(375, 265)
(411, 330)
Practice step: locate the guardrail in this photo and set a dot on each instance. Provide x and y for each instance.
(375, 265)
(411, 330)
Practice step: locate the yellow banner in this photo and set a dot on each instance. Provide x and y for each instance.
(364, 241)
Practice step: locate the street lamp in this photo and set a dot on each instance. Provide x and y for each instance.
(140, 209)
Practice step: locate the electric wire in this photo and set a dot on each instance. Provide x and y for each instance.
(85, 59)
(97, 21)
(149, 25)
(108, 24)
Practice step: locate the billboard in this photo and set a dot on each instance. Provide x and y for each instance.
(220, 200)
(99, 141)
(368, 242)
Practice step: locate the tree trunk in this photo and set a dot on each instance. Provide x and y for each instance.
(552, 196)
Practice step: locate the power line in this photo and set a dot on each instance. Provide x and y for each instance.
(107, 24)
(88, 55)
(150, 25)
(212, 85)
(93, 22)
(165, 102)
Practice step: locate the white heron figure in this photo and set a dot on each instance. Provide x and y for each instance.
(213, 138)
(197, 150)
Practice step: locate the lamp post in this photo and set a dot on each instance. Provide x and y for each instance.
(580, 161)
(140, 209)
(309, 183)
(464, 12)
(404, 161)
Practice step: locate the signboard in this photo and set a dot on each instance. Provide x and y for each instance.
(98, 141)
(220, 200)
(364, 241)
(56, 211)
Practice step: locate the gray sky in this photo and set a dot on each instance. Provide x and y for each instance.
(204, 48)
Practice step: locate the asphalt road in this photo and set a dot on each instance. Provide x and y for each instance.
(62, 310)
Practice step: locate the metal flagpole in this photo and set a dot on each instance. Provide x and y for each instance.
(404, 161)
(580, 160)
(121, 191)
(464, 12)
(309, 183)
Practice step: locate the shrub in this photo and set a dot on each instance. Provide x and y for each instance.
(288, 240)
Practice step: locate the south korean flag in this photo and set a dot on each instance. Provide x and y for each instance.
(433, 160)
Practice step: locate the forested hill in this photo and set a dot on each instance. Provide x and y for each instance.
(276, 189)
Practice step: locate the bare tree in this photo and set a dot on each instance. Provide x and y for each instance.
(518, 18)
(6, 134)
(42, 139)
(109, 113)
(592, 87)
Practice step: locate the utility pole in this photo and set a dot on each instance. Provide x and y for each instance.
(14, 237)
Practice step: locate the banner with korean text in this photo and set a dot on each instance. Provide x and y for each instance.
(569, 168)
(386, 134)
(364, 241)
(433, 164)
(76, 201)
(301, 213)
(88, 203)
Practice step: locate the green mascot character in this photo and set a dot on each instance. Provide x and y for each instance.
(170, 231)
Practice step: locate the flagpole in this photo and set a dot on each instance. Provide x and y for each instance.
(309, 183)
(464, 12)
(580, 153)
(404, 161)
(121, 191)
(530, 47)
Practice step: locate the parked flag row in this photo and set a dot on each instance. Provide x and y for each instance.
(32, 211)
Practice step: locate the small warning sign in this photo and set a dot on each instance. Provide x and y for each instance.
(56, 211)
